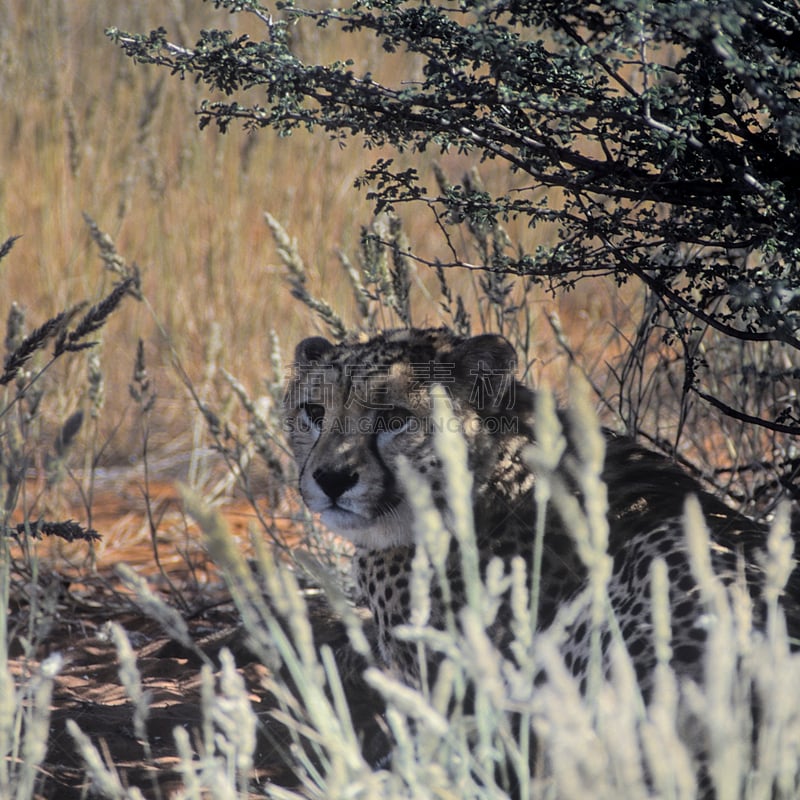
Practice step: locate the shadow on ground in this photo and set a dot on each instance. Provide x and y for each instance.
(89, 691)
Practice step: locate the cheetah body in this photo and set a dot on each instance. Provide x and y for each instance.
(354, 411)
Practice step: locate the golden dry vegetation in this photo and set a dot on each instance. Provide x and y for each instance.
(86, 130)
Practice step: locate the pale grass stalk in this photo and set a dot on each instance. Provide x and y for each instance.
(265, 635)
(375, 263)
(207, 689)
(153, 606)
(34, 704)
(778, 748)
(297, 277)
(218, 782)
(26, 702)
(404, 751)
(662, 623)
(451, 448)
(620, 713)
(418, 759)
(496, 585)
(339, 700)
(8, 709)
(780, 561)
(225, 552)
(430, 557)
(235, 722)
(215, 772)
(105, 779)
(359, 290)
(132, 682)
(300, 660)
(484, 659)
(668, 759)
(339, 601)
(522, 614)
(192, 788)
(564, 724)
(294, 610)
(520, 680)
(448, 679)
(434, 639)
(778, 752)
(315, 782)
(113, 261)
(280, 793)
(666, 756)
(420, 612)
(333, 745)
(198, 456)
(342, 765)
(545, 455)
(259, 430)
(287, 249)
(228, 737)
(408, 700)
(586, 523)
(722, 706)
(432, 538)
(590, 447)
(430, 528)
(485, 671)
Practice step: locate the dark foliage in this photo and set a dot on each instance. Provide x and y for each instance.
(70, 531)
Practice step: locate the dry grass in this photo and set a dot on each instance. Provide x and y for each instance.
(86, 130)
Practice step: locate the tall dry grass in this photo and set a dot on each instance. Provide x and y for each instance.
(86, 130)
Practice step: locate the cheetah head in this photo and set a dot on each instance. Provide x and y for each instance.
(353, 409)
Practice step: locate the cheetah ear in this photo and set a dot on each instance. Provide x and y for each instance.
(310, 350)
(488, 364)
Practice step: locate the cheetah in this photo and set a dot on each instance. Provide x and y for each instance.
(354, 410)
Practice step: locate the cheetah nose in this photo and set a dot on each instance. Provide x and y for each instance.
(335, 482)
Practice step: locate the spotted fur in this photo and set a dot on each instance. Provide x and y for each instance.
(354, 409)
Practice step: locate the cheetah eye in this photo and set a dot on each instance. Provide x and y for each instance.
(394, 420)
(312, 414)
